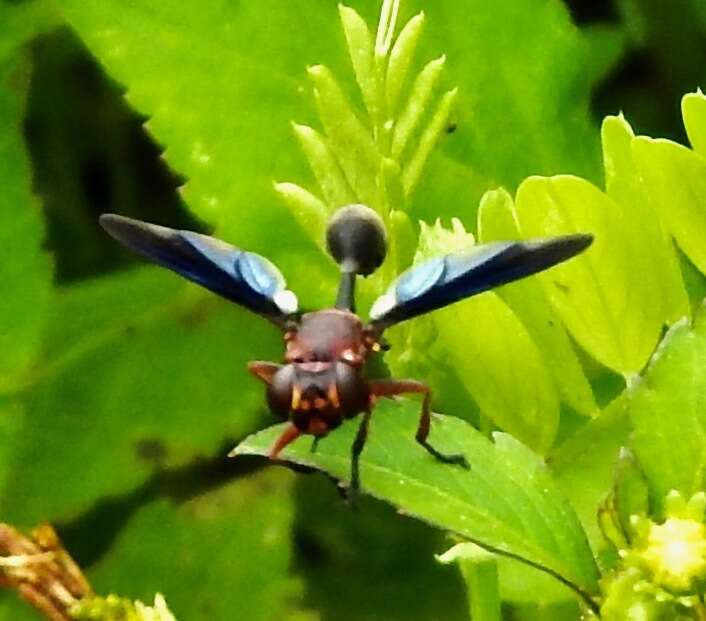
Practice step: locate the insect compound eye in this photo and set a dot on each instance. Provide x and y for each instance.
(352, 393)
(279, 391)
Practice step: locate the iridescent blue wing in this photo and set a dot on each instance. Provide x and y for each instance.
(242, 277)
(443, 280)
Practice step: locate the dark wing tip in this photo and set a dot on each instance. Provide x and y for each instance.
(116, 226)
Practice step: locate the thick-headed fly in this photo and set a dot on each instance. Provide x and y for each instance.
(321, 382)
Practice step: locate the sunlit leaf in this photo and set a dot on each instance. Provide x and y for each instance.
(675, 178)
(528, 301)
(668, 413)
(507, 501)
(660, 266)
(606, 308)
(693, 109)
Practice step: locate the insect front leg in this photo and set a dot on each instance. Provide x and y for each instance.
(263, 371)
(392, 388)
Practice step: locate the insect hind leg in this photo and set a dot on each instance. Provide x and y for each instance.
(393, 387)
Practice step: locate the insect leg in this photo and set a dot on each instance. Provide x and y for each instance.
(288, 436)
(393, 387)
(356, 450)
(263, 371)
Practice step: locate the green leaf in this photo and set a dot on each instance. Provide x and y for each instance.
(361, 50)
(693, 109)
(349, 139)
(660, 267)
(220, 83)
(675, 178)
(328, 173)
(584, 465)
(606, 308)
(496, 221)
(419, 98)
(668, 413)
(401, 57)
(169, 372)
(234, 543)
(506, 502)
(26, 274)
(501, 367)
(524, 95)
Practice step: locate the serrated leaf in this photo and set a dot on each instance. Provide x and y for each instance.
(506, 502)
(624, 185)
(220, 83)
(169, 373)
(675, 178)
(668, 414)
(606, 308)
(26, 274)
(309, 210)
(233, 542)
(693, 109)
(527, 300)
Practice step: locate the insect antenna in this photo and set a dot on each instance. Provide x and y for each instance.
(356, 239)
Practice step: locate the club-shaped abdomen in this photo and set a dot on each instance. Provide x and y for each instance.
(356, 239)
(280, 390)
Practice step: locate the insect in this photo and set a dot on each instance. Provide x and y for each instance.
(320, 382)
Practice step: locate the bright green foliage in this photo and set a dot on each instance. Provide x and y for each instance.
(584, 465)
(114, 608)
(507, 501)
(693, 108)
(496, 221)
(659, 267)
(607, 310)
(668, 411)
(675, 178)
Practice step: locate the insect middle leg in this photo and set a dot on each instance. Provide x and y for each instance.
(392, 388)
(357, 448)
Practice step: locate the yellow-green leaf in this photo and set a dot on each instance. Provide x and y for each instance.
(675, 178)
(693, 109)
(623, 184)
(528, 301)
(608, 310)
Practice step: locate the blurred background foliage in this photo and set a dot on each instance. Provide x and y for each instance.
(124, 388)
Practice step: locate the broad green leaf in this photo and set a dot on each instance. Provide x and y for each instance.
(675, 178)
(693, 109)
(26, 272)
(506, 501)
(234, 543)
(583, 465)
(668, 414)
(625, 187)
(524, 78)
(169, 372)
(607, 309)
(496, 221)
(220, 83)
